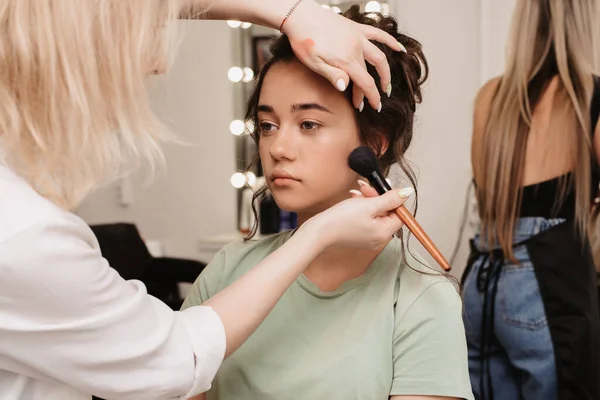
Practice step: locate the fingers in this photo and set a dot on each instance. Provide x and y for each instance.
(355, 193)
(363, 82)
(367, 190)
(380, 36)
(358, 95)
(336, 76)
(377, 58)
(391, 200)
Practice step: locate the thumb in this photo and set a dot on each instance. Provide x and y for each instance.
(338, 78)
(392, 200)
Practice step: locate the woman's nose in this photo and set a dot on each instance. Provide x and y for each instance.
(284, 146)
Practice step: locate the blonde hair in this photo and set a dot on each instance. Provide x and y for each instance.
(548, 38)
(73, 107)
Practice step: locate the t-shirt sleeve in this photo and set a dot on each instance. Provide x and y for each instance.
(208, 283)
(429, 346)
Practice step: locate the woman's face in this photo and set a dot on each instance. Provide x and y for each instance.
(307, 130)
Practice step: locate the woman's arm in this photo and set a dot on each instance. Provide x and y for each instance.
(269, 13)
(324, 41)
(480, 116)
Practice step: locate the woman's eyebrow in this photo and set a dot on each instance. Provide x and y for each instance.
(265, 108)
(310, 106)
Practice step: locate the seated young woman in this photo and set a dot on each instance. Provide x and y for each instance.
(357, 324)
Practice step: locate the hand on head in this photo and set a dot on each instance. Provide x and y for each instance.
(337, 48)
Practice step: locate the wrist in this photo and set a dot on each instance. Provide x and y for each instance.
(315, 232)
(302, 13)
(269, 13)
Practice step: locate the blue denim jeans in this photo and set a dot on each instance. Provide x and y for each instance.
(511, 355)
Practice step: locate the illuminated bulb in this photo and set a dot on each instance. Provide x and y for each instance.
(248, 74)
(250, 178)
(234, 23)
(250, 126)
(336, 9)
(373, 6)
(235, 74)
(237, 127)
(246, 25)
(238, 180)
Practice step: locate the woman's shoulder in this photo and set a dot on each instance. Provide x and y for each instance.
(483, 100)
(418, 282)
(486, 92)
(23, 210)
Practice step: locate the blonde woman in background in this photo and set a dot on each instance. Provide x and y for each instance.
(73, 116)
(531, 306)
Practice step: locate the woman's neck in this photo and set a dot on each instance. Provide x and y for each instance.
(337, 264)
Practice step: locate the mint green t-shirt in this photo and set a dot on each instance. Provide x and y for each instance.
(391, 331)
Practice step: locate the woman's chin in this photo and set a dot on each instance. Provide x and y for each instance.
(292, 204)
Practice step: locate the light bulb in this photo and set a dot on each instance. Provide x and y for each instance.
(237, 180)
(373, 6)
(234, 23)
(246, 25)
(235, 74)
(237, 127)
(250, 126)
(248, 74)
(250, 178)
(336, 9)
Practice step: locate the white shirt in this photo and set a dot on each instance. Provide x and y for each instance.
(71, 327)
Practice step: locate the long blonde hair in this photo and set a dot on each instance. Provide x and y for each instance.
(73, 107)
(548, 38)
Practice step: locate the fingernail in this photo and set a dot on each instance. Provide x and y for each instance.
(388, 91)
(341, 85)
(406, 192)
(362, 183)
(379, 107)
(361, 107)
(402, 48)
(356, 192)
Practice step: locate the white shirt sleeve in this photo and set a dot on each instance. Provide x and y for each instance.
(66, 316)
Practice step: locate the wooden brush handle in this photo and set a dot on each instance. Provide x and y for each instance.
(412, 224)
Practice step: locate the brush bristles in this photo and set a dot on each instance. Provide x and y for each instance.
(363, 161)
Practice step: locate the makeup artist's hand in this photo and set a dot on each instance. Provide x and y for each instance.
(366, 223)
(337, 48)
(366, 190)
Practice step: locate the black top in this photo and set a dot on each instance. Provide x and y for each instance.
(538, 200)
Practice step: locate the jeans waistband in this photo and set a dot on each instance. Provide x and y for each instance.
(525, 228)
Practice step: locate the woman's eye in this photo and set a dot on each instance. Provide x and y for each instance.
(309, 126)
(266, 127)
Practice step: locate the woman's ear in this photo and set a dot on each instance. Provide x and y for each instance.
(383, 146)
(377, 142)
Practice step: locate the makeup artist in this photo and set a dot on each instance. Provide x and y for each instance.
(74, 116)
(530, 295)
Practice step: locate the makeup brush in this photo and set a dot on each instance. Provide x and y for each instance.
(363, 161)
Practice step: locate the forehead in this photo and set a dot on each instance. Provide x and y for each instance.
(290, 82)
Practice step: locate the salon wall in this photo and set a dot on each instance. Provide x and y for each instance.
(193, 198)
(464, 43)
